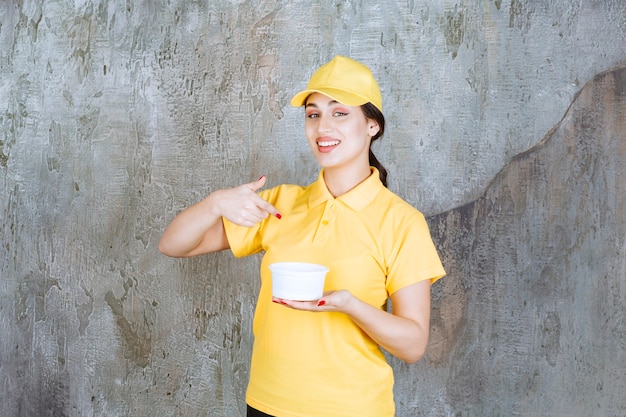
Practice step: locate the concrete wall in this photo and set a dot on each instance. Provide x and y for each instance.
(505, 126)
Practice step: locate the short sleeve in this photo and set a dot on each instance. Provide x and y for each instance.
(415, 256)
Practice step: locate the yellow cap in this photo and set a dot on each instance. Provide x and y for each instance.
(345, 80)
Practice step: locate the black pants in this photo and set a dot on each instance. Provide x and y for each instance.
(252, 412)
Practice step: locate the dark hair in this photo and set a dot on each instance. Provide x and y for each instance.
(371, 112)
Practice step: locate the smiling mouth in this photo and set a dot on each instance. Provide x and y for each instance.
(328, 143)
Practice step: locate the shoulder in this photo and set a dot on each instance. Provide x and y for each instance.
(290, 192)
(395, 206)
(397, 219)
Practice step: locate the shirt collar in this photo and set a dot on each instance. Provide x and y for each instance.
(357, 198)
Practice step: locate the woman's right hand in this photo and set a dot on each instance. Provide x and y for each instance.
(243, 206)
(199, 228)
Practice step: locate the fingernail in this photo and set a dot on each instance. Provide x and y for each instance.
(321, 303)
(274, 301)
(261, 177)
(283, 303)
(278, 216)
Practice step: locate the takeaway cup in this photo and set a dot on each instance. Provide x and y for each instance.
(298, 281)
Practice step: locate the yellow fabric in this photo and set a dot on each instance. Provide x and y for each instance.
(345, 80)
(308, 364)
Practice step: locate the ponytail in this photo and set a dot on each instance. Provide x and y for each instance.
(374, 162)
(371, 112)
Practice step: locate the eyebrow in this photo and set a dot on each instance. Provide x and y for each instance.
(315, 105)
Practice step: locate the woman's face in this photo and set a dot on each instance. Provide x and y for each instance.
(338, 135)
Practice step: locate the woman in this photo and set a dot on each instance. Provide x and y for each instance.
(323, 357)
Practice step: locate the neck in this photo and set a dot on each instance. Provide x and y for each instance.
(340, 181)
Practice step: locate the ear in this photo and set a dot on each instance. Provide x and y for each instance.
(373, 127)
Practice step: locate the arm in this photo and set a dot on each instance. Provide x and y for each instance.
(403, 333)
(199, 228)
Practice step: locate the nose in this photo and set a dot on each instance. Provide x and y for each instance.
(325, 123)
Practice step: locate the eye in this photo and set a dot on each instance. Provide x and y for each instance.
(312, 116)
(340, 111)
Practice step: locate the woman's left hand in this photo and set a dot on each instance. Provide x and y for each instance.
(331, 301)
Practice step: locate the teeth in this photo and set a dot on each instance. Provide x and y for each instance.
(328, 143)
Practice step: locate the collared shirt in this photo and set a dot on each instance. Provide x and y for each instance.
(374, 243)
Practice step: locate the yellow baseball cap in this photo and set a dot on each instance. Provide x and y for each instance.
(345, 80)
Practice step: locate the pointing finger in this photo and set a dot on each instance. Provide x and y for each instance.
(268, 208)
(264, 205)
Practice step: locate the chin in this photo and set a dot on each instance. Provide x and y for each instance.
(323, 161)
(326, 164)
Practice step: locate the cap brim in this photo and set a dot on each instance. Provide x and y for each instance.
(343, 97)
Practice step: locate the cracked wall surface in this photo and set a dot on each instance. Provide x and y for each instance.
(505, 126)
(541, 290)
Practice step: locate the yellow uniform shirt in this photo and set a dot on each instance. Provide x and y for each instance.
(307, 364)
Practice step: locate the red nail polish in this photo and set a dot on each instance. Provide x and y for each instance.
(321, 303)
(260, 177)
(278, 216)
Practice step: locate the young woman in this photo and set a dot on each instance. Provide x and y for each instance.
(323, 357)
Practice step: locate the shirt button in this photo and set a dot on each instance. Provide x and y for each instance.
(325, 222)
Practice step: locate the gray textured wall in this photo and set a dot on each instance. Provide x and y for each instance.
(114, 115)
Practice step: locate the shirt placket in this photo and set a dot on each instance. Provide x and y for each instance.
(326, 223)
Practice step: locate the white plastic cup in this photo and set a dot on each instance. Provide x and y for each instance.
(298, 281)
